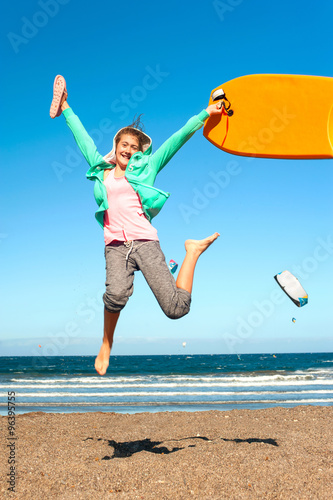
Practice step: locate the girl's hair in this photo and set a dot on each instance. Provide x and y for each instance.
(134, 129)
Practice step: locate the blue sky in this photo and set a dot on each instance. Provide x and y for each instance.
(162, 60)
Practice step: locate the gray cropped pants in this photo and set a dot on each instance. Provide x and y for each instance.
(147, 257)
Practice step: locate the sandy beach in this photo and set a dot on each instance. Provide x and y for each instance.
(271, 454)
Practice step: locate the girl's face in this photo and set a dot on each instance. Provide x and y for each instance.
(126, 147)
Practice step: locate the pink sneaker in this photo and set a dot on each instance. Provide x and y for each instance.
(59, 96)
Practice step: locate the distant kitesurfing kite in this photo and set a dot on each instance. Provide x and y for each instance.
(184, 344)
(173, 266)
(292, 287)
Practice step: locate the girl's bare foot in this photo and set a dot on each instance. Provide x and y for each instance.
(194, 248)
(197, 247)
(103, 358)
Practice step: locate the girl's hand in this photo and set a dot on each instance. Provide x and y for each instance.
(214, 109)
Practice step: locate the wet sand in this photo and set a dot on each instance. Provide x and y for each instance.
(276, 453)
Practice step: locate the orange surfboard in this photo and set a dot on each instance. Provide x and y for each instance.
(274, 116)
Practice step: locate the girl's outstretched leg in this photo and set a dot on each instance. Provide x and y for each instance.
(194, 248)
(102, 360)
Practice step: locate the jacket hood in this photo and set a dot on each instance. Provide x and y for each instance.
(146, 143)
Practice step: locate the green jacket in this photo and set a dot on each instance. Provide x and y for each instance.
(141, 170)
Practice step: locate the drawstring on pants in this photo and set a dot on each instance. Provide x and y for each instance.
(128, 244)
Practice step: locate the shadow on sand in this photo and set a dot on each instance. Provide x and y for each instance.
(128, 448)
(253, 440)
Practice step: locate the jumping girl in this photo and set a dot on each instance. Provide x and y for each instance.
(127, 201)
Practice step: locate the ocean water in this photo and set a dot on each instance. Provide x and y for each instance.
(167, 383)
